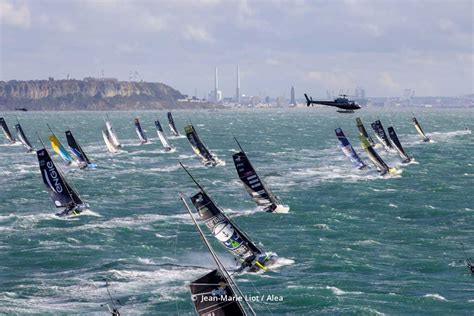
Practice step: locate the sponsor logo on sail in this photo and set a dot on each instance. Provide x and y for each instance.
(52, 177)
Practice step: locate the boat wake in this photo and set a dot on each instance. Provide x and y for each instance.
(442, 136)
(89, 213)
(338, 292)
(436, 297)
(176, 137)
(281, 262)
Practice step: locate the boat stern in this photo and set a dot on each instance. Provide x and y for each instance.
(280, 208)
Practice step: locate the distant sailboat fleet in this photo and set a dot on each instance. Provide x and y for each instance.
(253, 184)
(250, 256)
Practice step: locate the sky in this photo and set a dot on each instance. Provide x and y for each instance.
(384, 46)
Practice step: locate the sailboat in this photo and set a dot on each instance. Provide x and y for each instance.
(348, 150)
(77, 151)
(111, 133)
(62, 194)
(381, 166)
(109, 143)
(141, 134)
(171, 124)
(381, 135)
(161, 135)
(257, 189)
(420, 130)
(363, 131)
(397, 145)
(22, 137)
(199, 148)
(216, 292)
(59, 148)
(251, 257)
(6, 131)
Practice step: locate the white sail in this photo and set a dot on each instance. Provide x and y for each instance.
(108, 142)
(164, 140)
(112, 136)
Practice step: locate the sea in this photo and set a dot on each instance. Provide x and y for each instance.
(353, 243)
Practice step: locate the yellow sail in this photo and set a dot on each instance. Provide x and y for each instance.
(59, 149)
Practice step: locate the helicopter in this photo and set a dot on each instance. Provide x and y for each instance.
(343, 103)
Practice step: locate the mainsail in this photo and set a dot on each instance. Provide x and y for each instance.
(381, 135)
(76, 149)
(58, 189)
(398, 145)
(212, 295)
(257, 189)
(348, 150)
(108, 141)
(420, 130)
(22, 137)
(229, 235)
(164, 141)
(363, 131)
(198, 146)
(140, 132)
(172, 126)
(6, 131)
(59, 149)
(216, 292)
(220, 225)
(381, 166)
(111, 133)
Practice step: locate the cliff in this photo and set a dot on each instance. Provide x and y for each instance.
(90, 94)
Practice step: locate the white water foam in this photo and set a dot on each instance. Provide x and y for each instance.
(338, 292)
(436, 297)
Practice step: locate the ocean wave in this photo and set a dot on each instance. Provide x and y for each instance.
(435, 296)
(338, 292)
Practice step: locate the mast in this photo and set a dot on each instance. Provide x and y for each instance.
(238, 144)
(219, 264)
(192, 178)
(216, 211)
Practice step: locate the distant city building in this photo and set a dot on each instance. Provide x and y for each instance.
(255, 100)
(408, 95)
(237, 89)
(216, 87)
(281, 101)
(360, 93)
(292, 97)
(215, 95)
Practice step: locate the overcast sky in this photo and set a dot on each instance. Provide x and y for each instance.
(383, 46)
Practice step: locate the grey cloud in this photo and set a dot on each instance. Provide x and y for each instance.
(385, 46)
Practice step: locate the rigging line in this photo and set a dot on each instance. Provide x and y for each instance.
(238, 144)
(464, 251)
(220, 208)
(176, 241)
(79, 147)
(110, 296)
(219, 264)
(192, 178)
(259, 294)
(41, 141)
(49, 127)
